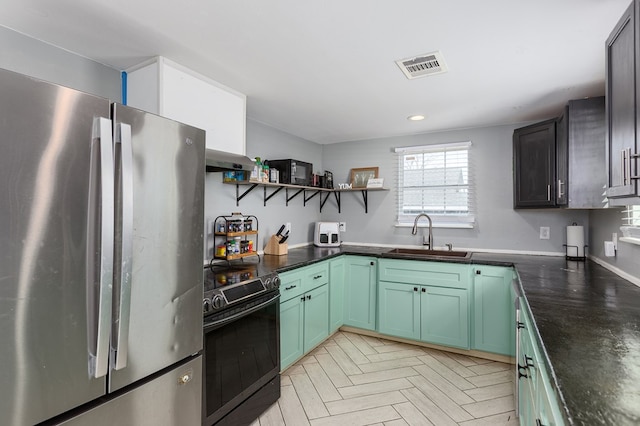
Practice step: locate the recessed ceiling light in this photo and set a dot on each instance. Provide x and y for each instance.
(416, 117)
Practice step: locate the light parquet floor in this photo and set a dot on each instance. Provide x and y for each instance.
(360, 380)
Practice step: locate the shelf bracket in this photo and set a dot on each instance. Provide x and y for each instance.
(323, 201)
(309, 198)
(365, 198)
(267, 198)
(240, 197)
(293, 196)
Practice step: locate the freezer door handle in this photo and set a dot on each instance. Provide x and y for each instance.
(123, 264)
(100, 281)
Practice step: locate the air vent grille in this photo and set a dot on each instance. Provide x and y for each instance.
(423, 65)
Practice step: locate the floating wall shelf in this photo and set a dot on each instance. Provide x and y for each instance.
(292, 191)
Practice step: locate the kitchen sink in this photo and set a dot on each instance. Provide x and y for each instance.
(420, 253)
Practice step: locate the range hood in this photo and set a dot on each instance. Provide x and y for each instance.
(220, 161)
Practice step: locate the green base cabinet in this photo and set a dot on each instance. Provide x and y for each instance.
(316, 317)
(291, 331)
(444, 316)
(399, 310)
(304, 311)
(336, 293)
(538, 400)
(425, 301)
(360, 292)
(493, 310)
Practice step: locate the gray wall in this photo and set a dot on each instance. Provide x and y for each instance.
(498, 225)
(267, 143)
(602, 224)
(37, 59)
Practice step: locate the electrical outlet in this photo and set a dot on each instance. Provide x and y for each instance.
(343, 226)
(614, 239)
(544, 232)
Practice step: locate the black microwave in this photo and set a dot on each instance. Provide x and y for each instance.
(293, 172)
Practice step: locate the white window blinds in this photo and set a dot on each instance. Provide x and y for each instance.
(631, 222)
(437, 180)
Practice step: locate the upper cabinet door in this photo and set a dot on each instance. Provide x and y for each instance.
(622, 50)
(176, 92)
(534, 149)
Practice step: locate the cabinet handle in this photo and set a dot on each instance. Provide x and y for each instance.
(309, 297)
(424, 290)
(371, 263)
(478, 272)
(560, 193)
(317, 276)
(415, 289)
(522, 375)
(548, 192)
(290, 287)
(529, 361)
(302, 298)
(623, 167)
(519, 325)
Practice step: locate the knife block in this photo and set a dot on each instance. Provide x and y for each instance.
(275, 248)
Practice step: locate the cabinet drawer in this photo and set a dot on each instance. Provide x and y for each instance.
(315, 275)
(438, 274)
(291, 284)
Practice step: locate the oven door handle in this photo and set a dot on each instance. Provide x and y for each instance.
(223, 321)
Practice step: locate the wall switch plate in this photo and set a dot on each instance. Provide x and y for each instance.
(343, 226)
(614, 240)
(544, 232)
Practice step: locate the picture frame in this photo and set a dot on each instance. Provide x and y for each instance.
(360, 176)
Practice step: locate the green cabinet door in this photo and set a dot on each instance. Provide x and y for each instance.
(399, 309)
(336, 293)
(291, 331)
(316, 317)
(444, 317)
(360, 292)
(493, 310)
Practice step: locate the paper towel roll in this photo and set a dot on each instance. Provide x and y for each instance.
(575, 241)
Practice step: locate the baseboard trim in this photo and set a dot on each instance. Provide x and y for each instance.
(470, 352)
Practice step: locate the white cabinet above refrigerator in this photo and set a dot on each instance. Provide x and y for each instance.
(171, 90)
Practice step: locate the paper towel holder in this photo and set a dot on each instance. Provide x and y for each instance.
(581, 258)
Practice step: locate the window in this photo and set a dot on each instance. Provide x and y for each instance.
(631, 223)
(436, 180)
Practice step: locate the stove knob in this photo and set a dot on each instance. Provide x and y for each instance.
(275, 282)
(217, 301)
(206, 305)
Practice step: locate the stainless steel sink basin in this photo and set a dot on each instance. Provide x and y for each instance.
(419, 253)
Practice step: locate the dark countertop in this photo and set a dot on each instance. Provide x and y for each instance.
(587, 317)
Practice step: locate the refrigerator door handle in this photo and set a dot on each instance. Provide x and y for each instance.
(100, 283)
(122, 277)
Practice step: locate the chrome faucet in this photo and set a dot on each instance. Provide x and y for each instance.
(425, 242)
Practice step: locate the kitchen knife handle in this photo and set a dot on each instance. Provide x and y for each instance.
(123, 265)
(101, 193)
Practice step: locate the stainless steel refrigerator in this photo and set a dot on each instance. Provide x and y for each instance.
(101, 242)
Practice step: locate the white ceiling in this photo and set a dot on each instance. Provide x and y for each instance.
(325, 70)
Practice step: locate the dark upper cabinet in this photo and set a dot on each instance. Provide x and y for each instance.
(534, 156)
(622, 53)
(560, 162)
(581, 137)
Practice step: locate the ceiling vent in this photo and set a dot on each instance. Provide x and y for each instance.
(423, 65)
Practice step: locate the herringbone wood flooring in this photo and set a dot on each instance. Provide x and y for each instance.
(359, 380)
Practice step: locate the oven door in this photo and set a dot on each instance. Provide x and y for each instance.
(241, 357)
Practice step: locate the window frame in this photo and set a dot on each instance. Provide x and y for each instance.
(440, 220)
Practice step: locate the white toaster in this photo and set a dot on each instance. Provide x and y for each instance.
(327, 234)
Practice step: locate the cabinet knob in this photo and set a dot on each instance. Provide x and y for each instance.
(372, 263)
(424, 290)
(478, 272)
(415, 289)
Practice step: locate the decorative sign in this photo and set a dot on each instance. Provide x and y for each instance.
(375, 183)
(344, 186)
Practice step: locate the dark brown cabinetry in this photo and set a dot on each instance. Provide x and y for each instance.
(534, 149)
(622, 53)
(560, 162)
